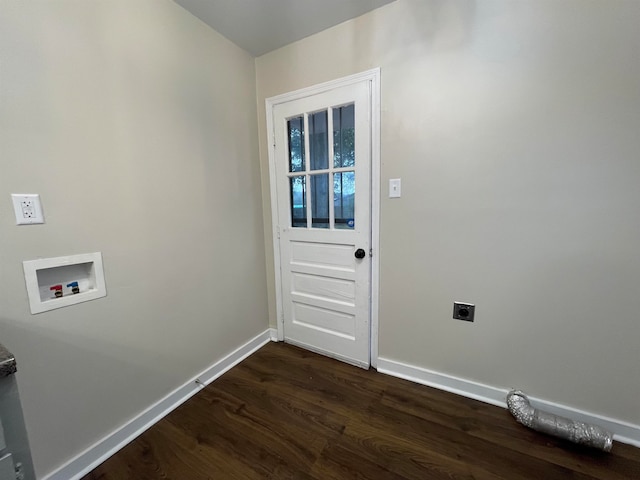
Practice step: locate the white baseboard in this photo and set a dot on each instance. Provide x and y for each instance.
(105, 448)
(622, 431)
(273, 332)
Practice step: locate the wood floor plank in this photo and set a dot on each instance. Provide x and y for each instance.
(497, 427)
(427, 443)
(265, 445)
(286, 413)
(339, 460)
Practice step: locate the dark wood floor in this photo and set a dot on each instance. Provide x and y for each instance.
(286, 413)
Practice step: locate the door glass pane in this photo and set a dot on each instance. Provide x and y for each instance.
(344, 189)
(318, 141)
(320, 200)
(298, 193)
(296, 144)
(344, 153)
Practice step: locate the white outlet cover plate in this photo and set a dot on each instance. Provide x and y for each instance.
(27, 208)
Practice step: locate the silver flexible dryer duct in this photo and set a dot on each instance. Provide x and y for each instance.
(577, 432)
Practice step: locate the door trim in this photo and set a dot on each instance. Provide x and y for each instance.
(373, 77)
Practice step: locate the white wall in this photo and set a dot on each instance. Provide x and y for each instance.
(515, 127)
(136, 124)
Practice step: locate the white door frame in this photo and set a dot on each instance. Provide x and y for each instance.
(373, 77)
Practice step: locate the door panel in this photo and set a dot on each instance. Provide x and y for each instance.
(324, 319)
(323, 152)
(329, 288)
(323, 255)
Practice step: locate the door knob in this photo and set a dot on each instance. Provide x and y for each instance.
(360, 253)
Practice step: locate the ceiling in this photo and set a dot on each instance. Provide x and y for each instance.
(260, 26)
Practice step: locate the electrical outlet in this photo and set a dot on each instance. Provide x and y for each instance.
(27, 208)
(464, 311)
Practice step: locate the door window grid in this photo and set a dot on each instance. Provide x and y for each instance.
(295, 128)
(330, 163)
(343, 136)
(313, 203)
(318, 141)
(298, 199)
(320, 200)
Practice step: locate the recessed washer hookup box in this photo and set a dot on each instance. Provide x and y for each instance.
(64, 281)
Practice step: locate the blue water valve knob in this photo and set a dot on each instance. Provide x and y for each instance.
(74, 287)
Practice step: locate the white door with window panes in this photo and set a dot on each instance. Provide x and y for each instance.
(323, 169)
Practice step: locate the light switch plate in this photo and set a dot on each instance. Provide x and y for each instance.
(394, 188)
(27, 208)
